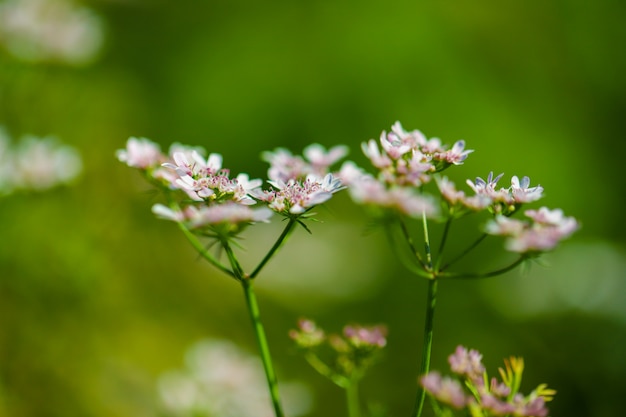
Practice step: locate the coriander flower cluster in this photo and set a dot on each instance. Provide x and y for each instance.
(36, 164)
(299, 184)
(351, 353)
(214, 202)
(543, 230)
(472, 390)
(405, 162)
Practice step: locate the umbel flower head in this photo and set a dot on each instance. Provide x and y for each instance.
(212, 202)
(404, 163)
(472, 390)
(351, 353)
(299, 184)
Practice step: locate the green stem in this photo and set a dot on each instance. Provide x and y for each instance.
(444, 239)
(409, 241)
(500, 271)
(465, 252)
(259, 332)
(429, 320)
(279, 242)
(203, 252)
(429, 257)
(352, 397)
(321, 367)
(428, 343)
(257, 325)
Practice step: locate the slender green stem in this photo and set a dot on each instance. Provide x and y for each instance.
(409, 241)
(352, 397)
(203, 252)
(325, 370)
(429, 257)
(259, 332)
(444, 239)
(466, 251)
(428, 342)
(279, 242)
(429, 320)
(485, 274)
(257, 325)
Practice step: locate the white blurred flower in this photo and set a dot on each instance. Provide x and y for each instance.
(50, 30)
(221, 380)
(36, 164)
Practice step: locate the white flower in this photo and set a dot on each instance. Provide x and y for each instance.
(295, 197)
(522, 192)
(219, 379)
(42, 163)
(317, 155)
(140, 153)
(505, 226)
(50, 30)
(229, 213)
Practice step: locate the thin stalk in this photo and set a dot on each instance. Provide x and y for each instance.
(485, 274)
(326, 371)
(465, 252)
(431, 301)
(259, 332)
(402, 256)
(279, 242)
(257, 325)
(444, 239)
(428, 343)
(203, 252)
(352, 397)
(409, 241)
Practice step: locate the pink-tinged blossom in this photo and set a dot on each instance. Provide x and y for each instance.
(194, 165)
(488, 187)
(166, 213)
(498, 388)
(284, 166)
(545, 230)
(457, 198)
(308, 334)
(522, 192)
(533, 407)
(495, 405)
(394, 146)
(555, 217)
(444, 389)
(505, 226)
(227, 213)
(141, 153)
(467, 363)
(360, 336)
(321, 159)
(456, 156)
(378, 159)
(367, 190)
(295, 197)
(206, 180)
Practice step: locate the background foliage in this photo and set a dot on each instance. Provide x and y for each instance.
(98, 298)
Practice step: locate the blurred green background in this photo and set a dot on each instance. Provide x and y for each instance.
(98, 298)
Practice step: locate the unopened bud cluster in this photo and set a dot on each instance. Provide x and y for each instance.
(473, 391)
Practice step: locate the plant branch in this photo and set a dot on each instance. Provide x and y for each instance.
(465, 252)
(279, 242)
(500, 271)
